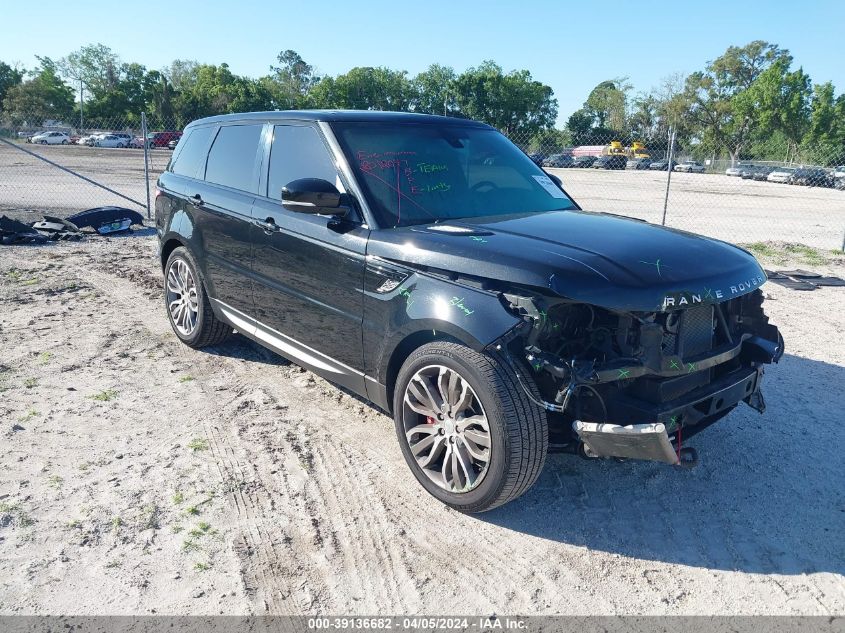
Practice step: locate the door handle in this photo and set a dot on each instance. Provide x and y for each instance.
(196, 200)
(268, 225)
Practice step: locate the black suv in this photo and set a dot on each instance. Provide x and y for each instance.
(430, 266)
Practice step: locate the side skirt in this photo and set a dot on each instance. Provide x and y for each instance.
(293, 350)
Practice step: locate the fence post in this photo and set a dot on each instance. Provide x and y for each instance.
(668, 173)
(843, 242)
(146, 159)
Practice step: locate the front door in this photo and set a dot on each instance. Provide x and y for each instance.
(308, 269)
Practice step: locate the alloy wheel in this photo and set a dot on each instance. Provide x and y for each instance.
(446, 428)
(182, 297)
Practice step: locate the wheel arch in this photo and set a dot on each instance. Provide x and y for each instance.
(405, 348)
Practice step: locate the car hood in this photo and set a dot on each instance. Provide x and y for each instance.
(596, 258)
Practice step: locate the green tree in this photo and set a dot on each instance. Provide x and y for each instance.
(580, 124)
(9, 77)
(607, 103)
(291, 81)
(97, 66)
(778, 101)
(824, 142)
(365, 88)
(44, 96)
(719, 119)
(435, 92)
(514, 103)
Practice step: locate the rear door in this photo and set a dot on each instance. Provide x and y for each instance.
(308, 270)
(222, 202)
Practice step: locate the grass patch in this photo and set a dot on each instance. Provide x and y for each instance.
(781, 253)
(193, 511)
(56, 481)
(29, 383)
(26, 417)
(116, 522)
(178, 498)
(198, 444)
(190, 545)
(44, 357)
(202, 566)
(12, 514)
(186, 378)
(105, 396)
(176, 529)
(201, 530)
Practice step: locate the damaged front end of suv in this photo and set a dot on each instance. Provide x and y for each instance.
(632, 384)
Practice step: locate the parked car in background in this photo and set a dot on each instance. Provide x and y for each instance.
(812, 177)
(537, 158)
(162, 139)
(610, 162)
(127, 138)
(91, 139)
(172, 144)
(51, 138)
(110, 140)
(661, 165)
(638, 163)
(690, 167)
(781, 174)
(762, 172)
(583, 161)
(839, 172)
(137, 142)
(559, 160)
(737, 169)
(747, 171)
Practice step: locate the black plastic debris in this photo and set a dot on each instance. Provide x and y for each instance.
(15, 232)
(57, 229)
(107, 220)
(802, 279)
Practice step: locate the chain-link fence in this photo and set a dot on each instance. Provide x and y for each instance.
(48, 166)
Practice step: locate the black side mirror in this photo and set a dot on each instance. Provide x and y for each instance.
(313, 195)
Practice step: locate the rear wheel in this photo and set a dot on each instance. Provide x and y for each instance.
(468, 430)
(186, 300)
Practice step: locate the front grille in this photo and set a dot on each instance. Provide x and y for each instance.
(696, 331)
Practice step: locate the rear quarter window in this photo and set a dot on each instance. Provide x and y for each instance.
(191, 156)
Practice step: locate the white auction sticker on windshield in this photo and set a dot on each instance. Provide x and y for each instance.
(548, 184)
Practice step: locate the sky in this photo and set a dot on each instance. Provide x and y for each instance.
(571, 46)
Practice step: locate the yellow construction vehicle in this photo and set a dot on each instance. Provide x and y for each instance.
(638, 150)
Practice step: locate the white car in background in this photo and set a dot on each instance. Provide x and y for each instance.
(839, 172)
(737, 170)
(111, 140)
(51, 138)
(781, 174)
(690, 166)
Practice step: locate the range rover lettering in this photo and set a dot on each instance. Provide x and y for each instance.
(428, 265)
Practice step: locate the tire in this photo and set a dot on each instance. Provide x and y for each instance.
(517, 430)
(64, 142)
(206, 329)
(121, 146)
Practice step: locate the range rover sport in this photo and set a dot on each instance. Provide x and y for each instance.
(427, 264)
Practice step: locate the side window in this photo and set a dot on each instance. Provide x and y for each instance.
(298, 152)
(231, 161)
(192, 153)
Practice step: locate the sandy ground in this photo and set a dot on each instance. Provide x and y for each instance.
(732, 209)
(139, 476)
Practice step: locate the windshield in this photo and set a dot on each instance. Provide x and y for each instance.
(420, 173)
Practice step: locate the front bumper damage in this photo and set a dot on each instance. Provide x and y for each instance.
(638, 396)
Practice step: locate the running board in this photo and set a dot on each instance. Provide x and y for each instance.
(636, 441)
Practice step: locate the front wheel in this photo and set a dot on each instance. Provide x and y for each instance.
(188, 308)
(467, 428)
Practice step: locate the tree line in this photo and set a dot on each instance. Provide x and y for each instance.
(748, 103)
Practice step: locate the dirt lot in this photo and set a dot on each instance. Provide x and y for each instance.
(727, 208)
(139, 476)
